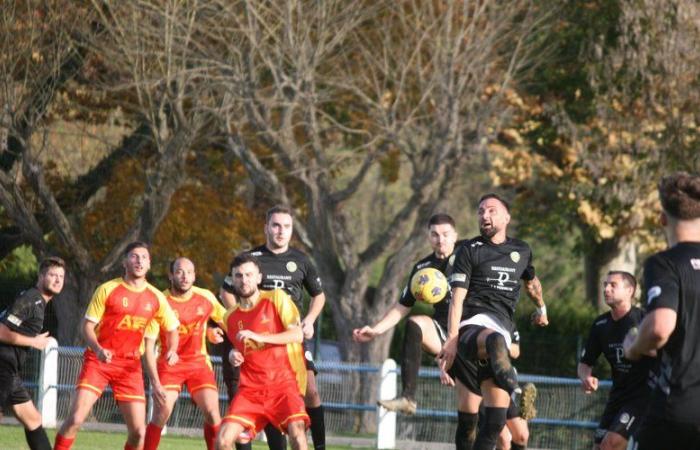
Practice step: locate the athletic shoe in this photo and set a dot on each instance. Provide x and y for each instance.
(400, 404)
(527, 401)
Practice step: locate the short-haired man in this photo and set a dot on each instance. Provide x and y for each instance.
(113, 328)
(20, 328)
(485, 280)
(671, 327)
(265, 329)
(193, 307)
(284, 267)
(630, 392)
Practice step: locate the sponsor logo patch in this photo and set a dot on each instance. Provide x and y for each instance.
(652, 293)
(515, 256)
(695, 262)
(624, 418)
(291, 266)
(451, 261)
(14, 320)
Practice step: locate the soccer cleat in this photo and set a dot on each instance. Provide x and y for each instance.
(527, 401)
(400, 404)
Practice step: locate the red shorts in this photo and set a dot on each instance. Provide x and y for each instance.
(195, 373)
(254, 408)
(124, 374)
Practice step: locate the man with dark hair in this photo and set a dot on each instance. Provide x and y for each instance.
(671, 327)
(193, 306)
(630, 393)
(265, 329)
(20, 328)
(485, 276)
(113, 329)
(284, 267)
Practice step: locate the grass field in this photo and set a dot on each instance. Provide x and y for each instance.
(12, 438)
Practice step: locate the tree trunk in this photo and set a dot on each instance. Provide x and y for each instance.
(611, 254)
(70, 306)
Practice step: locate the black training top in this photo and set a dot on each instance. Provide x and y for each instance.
(440, 309)
(629, 379)
(25, 316)
(291, 271)
(672, 280)
(491, 274)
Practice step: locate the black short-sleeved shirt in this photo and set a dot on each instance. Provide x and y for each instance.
(491, 273)
(629, 379)
(672, 280)
(440, 309)
(24, 316)
(292, 271)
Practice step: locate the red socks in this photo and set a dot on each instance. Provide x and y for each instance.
(209, 435)
(63, 443)
(152, 439)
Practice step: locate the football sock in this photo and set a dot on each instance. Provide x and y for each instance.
(494, 421)
(128, 446)
(246, 446)
(152, 438)
(514, 446)
(466, 430)
(318, 427)
(412, 342)
(37, 439)
(63, 443)
(504, 374)
(275, 439)
(209, 435)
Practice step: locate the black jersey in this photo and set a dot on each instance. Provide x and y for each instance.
(629, 379)
(440, 309)
(25, 316)
(491, 273)
(672, 280)
(292, 271)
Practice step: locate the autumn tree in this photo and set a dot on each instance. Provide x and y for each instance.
(615, 110)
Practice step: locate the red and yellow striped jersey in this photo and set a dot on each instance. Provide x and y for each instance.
(122, 314)
(267, 365)
(192, 311)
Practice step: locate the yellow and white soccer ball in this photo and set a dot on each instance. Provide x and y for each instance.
(429, 285)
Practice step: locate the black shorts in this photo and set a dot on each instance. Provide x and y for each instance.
(12, 390)
(623, 420)
(655, 434)
(464, 370)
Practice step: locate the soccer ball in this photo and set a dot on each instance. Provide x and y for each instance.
(429, 285)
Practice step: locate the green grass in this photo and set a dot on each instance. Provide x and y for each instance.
(12, 438)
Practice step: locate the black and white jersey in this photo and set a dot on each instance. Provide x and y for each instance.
(672, 280)
(25, 316)
(291, 271)
(440, 309)
(629, 379)
(491, 273)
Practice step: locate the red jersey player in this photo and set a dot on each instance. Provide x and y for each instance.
(113, 328)
(193, 307)
(265, 329)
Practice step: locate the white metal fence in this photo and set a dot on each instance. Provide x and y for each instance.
(566, 416)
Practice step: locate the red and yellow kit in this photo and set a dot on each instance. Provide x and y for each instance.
(194, 367)
(273, 377)
(122, 314)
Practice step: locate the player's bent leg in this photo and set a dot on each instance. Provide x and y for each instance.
(496, 402)
(297, 435)
(30, 418)
(499, 360)
(312, 401)
(613, 441)
(80, 408)
(504, 439)
(135, 419)
(519, 432)
(228, 434)
(160, 416)
(208, 402)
